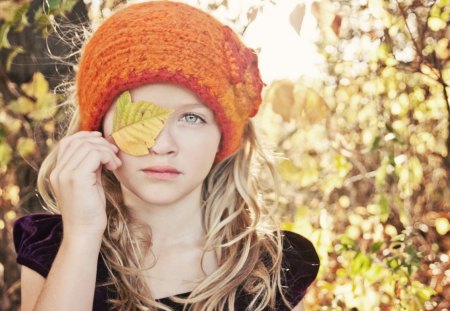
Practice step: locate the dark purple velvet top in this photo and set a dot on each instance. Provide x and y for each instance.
(37, 239)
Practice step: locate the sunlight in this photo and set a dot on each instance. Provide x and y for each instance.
(284, 53)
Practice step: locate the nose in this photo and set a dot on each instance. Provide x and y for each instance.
(165, 142)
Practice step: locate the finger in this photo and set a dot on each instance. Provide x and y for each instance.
(68, 140)
(91, 163)
(72, 162)
(86, 143)
(84, 174)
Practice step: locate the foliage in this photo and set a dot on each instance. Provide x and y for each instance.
(366, 148)
(365, 165)
(28, 117)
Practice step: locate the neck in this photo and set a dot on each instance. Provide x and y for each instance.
(179, 222)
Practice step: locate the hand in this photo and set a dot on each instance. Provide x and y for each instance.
(76, 181)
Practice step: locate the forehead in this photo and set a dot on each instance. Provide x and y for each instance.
(166, 95)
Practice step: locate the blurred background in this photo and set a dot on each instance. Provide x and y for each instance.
(356, 105)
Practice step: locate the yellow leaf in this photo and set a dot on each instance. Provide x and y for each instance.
(22, 105)
(315, 108)
(341, 165)
(26, 146)
(289, 171)
(442, 49)
(281, 95)
(442, 225)
(11, 215)
(436, 24)
(5, 154)
(37, 87)
(303, 176)
(296, 17)
(12, 125)
(137, 125)
(446, 73)
(410, 173)
(45, 107)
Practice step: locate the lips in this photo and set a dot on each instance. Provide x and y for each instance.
(162, 169)
(162, 173)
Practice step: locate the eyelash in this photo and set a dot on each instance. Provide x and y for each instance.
(193, 114)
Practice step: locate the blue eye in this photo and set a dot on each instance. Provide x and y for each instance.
(192, 118)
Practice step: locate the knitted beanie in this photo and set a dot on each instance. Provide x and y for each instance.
(169, 42)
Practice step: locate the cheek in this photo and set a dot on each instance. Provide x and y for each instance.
(203, 145)
(107, 123)
(126, 165)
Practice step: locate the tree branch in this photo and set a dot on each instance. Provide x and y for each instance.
(438, 65)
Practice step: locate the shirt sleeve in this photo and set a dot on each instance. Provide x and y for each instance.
(300, 266)
(37, 238)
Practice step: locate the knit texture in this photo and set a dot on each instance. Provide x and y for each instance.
(170, 42)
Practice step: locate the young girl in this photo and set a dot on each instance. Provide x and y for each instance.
(182, 226)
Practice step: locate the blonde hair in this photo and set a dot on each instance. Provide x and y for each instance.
(240, 229)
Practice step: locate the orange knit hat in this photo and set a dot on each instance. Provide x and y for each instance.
(162, 41)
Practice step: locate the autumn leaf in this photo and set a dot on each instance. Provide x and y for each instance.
(136, 125)
(296, 17)
(315, 108)
(37, 87)
(26, 146)
(327, 20)
(310, 107)
(281, 96)
(44, 106)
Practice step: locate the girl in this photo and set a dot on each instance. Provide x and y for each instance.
(182, 226)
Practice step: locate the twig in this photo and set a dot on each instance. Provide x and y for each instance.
(416, 46)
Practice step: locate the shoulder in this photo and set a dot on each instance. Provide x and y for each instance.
(37, 238)
(300, 265)
(298, 248)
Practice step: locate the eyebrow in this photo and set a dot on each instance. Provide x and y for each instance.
(193, 105)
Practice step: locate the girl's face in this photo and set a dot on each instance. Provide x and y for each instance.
(188, 143)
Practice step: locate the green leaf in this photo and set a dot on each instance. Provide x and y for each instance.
(20, 17)
(137, 125)
(53, 4)
(4, 43)
(68, 5)
(16, 51)
(376, 246)
(393, 263)
(423, 293)
(376, 143)
(360, 264)
(385, 209)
